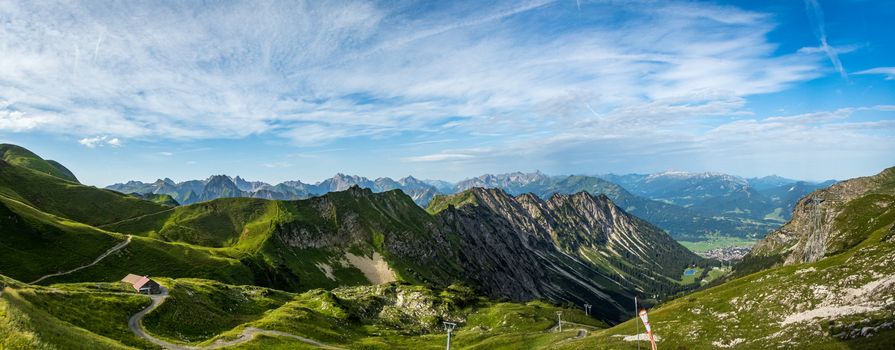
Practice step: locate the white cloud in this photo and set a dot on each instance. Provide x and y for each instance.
(96, 141)
(440, 157)
(889, 72)
(276, 165)
(854, 134)
(316, 72)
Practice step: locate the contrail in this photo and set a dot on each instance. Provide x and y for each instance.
(98, 41)
(815, 13)
(579, 5)
(591, 110)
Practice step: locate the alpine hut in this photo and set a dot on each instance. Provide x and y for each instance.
(143, 284)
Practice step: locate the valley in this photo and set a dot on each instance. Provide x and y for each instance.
(459, 175)
(359, 269)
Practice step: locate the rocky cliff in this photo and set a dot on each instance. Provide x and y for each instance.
(570, 248)
(826, 222)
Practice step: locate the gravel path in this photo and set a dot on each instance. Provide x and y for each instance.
(135, 323)
(116, 248)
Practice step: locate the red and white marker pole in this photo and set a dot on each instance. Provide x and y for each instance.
(649, 331)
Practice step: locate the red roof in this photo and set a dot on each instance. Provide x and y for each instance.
(136, 281)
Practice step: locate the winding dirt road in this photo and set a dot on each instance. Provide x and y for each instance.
(116, 248)
(135, 218)
(135, 323)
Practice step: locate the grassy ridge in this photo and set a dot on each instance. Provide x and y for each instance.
(34, 244)
(225, 222)
(70, 200)
(22, 157)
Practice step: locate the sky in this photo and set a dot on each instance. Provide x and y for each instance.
(297, 90)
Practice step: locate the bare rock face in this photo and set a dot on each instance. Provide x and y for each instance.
(819, 225)
(570, 248)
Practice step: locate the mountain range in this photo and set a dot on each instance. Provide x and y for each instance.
(690, 206)
(365, 269)
(567, 248)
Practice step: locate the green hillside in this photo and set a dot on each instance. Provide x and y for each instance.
(34, 243)
(225, 222)
(844, 300)
(163, 199)
(68, 199)
(201, 312)
(846, 293)
(22, 157)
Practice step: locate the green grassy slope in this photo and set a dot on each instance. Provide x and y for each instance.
(67, 199)
(409, 317)
(199, 309)
(146, 256)
(33, 243)
(100, 308)
(225, 222)
(391, 316)
(20, 156)
(26, 325)
(821, 305)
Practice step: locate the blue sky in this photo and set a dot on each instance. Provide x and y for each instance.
(302, 90)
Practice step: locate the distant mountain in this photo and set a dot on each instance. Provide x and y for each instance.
(767, 182)
(682, 188)
(512, 182)
(567, 249)
(690, 206)
(767, 200)
(220, 186)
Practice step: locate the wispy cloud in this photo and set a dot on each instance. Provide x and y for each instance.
(276, 165)
(318, 72)
(440, 157)
(889, 72)
(854, 134)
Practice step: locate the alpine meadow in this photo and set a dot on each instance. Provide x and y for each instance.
(422, 175)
